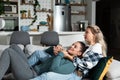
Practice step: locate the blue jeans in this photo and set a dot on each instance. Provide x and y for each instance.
(39, 55)
(57, 76)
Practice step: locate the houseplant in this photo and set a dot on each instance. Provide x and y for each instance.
(35, 5)
(23, 13)
(1, 7)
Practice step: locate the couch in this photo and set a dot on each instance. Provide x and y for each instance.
(112, 73)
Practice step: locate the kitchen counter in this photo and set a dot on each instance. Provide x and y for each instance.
(8, 33)
(66, 38)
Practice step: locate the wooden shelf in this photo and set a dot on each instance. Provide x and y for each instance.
(10, 13)
(26, 4)
(27, 18)
(11, 2)
(78, 4)
(5, 33)
(42, 25)
(47, 11)
(80, 13)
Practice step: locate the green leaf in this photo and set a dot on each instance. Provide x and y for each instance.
(35, 11)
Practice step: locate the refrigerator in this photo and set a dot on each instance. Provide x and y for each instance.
(62, 18)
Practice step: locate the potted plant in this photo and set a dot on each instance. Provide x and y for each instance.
(23, 13)
(1, 7)
(35, 6)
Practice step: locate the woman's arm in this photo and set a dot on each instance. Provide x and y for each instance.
(61, 65)
(68, 56)
(50, 51)
(88, 61)
(54, 50)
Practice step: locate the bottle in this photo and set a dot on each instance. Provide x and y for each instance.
(82, 26)
(29, 14)
(83, 1)
(23, 1)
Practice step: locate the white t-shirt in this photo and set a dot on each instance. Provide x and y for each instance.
(97, 48)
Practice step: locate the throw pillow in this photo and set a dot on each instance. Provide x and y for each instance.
(29, 49)
(98, 72)
(114, 71)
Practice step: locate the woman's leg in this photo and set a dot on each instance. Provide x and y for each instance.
(74, 76)
(53, 76)
(42, 77)
(57, 76)
(13, 57)
(4, 63)
(39, 55)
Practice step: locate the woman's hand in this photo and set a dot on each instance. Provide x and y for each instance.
(57, 49)
(67, 55)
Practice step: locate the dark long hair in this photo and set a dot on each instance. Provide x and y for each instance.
(83, 46)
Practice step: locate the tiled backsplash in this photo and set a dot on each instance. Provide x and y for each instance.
(41, 16)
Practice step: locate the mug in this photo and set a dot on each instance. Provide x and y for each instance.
(25, 28)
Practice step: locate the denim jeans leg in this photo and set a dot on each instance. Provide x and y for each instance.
(41, 77)
(74, 76)
(52, 76)
(39, 55)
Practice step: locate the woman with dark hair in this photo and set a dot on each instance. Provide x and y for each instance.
(52, 60)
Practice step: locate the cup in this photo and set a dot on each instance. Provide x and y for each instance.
(25, 28)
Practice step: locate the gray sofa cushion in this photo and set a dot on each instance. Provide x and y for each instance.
(50, 38)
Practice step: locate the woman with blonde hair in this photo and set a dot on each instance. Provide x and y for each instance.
(98, 37)
(97, 49)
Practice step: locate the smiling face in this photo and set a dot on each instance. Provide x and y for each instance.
(75, 49)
